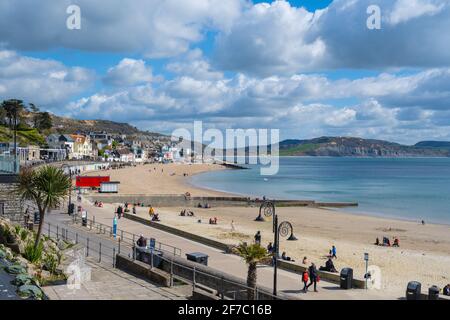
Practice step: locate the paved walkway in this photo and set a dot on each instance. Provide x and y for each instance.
(112, 284)
(289, 283)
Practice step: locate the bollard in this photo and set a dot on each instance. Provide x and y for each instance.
(121, 234)
(76, 238)
(99, 252)
(119, 245)
(57, 232)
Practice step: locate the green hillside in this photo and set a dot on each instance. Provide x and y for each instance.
(25, 137)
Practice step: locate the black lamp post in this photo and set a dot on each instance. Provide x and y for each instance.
(70, 210)
(268, 209)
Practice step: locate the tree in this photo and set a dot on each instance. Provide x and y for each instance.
(46, 187)
(43, 121)
(252, 255)
(13, 110)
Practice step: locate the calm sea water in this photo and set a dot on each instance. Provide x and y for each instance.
(407, 188)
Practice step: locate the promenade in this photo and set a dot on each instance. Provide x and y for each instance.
(289, 283)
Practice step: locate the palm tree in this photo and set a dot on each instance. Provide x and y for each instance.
(252, 254)
(46, 187)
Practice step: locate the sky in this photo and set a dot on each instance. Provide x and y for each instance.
(307, 67)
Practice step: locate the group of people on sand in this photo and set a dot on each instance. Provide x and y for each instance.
(187, 213)
(153, 215)
(387, 242)
(213, 220)
(205, 206)
(98, 204)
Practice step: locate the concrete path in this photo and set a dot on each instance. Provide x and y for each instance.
(289, 283)
(112, 284)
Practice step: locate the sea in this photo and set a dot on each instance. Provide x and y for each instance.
(403, 188)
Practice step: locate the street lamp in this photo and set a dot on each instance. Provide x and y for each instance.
(284, 230)
(70, 208)
(267, 208)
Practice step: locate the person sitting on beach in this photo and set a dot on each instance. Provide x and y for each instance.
(329, 266)
(183, 213)
(285, 257)
(134, 209)
(377, 242)
(155, 217)
(396, 242)
(190, 214)
(305, 260)
(386, 242)
(199, 205)
(270, 247)
(446, 290)
(207, 206)
(100, 204)
(96, 203)
(141, 242)
(119, 211)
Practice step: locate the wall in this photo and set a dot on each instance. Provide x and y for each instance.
(12, 203)
(182, 201)
(209, 242)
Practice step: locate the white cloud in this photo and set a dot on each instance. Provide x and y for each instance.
(405, 10)
(43, 82)
(152, 28)
(128, 72)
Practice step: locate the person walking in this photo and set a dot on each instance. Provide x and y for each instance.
(333, 252)
(233, 228)
(305, 278)
(312, 270)
(258, 238)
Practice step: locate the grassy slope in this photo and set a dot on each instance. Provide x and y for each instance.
(24, 137)
(299, 150)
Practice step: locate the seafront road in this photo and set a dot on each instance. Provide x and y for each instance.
(289, 283)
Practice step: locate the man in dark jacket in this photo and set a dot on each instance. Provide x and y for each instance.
(312, 277)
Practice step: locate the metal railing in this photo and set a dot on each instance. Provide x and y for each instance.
(123, 238)
(95, 248)
(223, 287)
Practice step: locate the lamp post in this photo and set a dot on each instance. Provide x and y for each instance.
(284, 230)
(69, 208)
(268, 209)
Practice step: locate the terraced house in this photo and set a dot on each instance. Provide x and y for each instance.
(82, 147)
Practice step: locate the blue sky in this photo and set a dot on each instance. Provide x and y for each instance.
(160, 65)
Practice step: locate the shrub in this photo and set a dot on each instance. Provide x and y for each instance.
(32, 253)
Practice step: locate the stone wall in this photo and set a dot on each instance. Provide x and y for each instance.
(12, 205)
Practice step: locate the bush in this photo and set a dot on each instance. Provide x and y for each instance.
(15, 269)
(30, 291)
(24, 279)
(34, 254)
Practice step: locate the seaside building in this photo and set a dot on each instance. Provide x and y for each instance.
(61, 142)
(82, 147)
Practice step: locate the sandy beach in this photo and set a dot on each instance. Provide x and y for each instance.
(160, 178)
(423, 255)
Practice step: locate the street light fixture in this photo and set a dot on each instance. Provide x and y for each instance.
(70, 208)
(284, 230)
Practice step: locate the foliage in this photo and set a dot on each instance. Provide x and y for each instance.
(51, 261)
(25, 279)
(43, 121)
(252, 255)
(15, 269)
(30, 291)
(47, 187)
(34, 253)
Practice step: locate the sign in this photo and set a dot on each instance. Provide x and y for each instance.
(152, 243)
(366, 257)
(115, 227)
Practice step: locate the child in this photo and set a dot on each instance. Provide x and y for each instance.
(305, 279)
